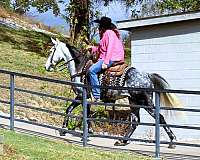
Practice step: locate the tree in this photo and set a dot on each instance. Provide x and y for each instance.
(78, 15)
(21, 6)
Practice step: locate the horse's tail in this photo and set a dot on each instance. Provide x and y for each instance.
(166, 99)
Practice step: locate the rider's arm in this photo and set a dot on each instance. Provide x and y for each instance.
(109, 42)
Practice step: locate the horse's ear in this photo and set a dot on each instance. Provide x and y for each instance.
(53, 41)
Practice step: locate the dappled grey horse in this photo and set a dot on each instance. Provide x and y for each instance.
(75, 62)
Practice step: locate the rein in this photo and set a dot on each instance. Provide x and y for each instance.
(51, 60)
(67, 63)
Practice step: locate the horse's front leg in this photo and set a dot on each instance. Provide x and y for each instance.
(69, 110)
(89, 116)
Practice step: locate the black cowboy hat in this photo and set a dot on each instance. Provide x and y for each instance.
(105, 22)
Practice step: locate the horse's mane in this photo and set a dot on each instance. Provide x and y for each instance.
(79, 57)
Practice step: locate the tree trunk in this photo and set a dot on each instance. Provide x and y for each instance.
(80, 19)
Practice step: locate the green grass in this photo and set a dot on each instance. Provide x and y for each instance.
(21, 61)
(26, 40)
(24, 51)
(20, 146)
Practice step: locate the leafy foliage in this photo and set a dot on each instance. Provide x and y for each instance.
(160, 7)
(179, 5)
(22, 6)
(43, 6)
(78, 18)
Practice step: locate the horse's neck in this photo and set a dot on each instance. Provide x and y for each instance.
(79, 58)
(77, 64)
(70, 65)
(83, 60)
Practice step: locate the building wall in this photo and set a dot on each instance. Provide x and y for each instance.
(173, 51)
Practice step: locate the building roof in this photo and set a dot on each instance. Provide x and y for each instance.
(149, 21)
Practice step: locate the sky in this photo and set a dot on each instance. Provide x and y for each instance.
(115, 11)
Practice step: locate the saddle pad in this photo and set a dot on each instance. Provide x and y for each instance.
(116, 70)
(108, 79)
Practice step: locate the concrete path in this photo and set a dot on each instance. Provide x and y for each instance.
(180, 153)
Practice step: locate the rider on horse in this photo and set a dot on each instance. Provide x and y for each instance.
(110, 51)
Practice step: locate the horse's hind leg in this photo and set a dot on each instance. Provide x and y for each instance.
(135, 118)
(152, 112)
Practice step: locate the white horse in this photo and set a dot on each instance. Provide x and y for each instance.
(75, 61)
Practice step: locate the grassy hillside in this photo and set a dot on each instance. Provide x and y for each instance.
(23, 50)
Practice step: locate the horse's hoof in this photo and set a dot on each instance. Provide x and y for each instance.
(172, 146)
(62, 132)
(87, 139)
(90, 131)
(120, 143)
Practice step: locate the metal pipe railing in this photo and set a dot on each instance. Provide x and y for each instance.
(157, 127)
(12, 101)
(85, 104)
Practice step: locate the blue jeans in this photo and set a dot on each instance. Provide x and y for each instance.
(93, 75)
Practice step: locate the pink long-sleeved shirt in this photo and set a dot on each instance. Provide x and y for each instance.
(110, 47)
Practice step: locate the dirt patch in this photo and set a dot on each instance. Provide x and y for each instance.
(9, 152)
(113, 128)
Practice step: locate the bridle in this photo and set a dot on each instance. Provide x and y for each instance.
(62, 66)
(54, 50)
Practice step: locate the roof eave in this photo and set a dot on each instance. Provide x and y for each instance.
(130, 24)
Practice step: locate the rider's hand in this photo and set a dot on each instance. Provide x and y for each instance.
(104, 66)
(89, 48)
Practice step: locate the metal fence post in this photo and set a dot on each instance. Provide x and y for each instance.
(85, 124)
(12, 100)
(157, 126)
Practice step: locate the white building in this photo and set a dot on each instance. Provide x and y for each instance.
(170, 46)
